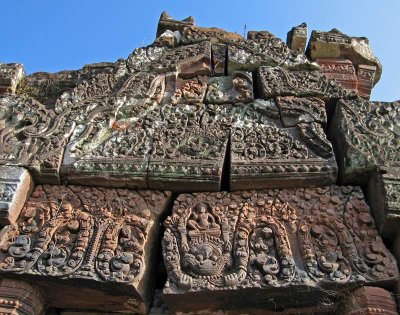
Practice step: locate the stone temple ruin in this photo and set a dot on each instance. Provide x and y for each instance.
(204, 174)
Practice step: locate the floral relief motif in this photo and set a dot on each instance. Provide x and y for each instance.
(216, 241)
(81, 232)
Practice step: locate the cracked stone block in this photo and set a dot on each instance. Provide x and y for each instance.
(342, 71)
(188, 151)
(87, 247)
(16, 185)
(364, 136)
(297, 37)
(234, 89)
(10, 75)
(253, 249)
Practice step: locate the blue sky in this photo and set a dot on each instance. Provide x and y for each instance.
(51, 35)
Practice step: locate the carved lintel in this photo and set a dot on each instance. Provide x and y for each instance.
(101, 240)
(236, 247)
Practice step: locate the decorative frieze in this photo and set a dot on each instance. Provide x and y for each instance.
(256, 244)
(69, 236)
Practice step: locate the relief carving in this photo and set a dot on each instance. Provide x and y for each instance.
(255, 239)
(76, 232)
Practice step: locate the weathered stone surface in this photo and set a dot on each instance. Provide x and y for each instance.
(254, 248)
(383, 192)
(342, 71)
(369, 301)
(337, 45)
(184, 91)
(10, 75)
(365, 136)
(219, 54)
(235, 89)
(48, 87)
(250, 54)
(298, 110)
(21, 298)
(33, 137)
(265, 154)
(74, 236)
(193, 34)
(259, 35)
(366, 79)
(297, 37)
(166, 22)
(188, 150)
(169, 39)
(276, 81)
(16, 185)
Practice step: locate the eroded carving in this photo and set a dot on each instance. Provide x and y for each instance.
(251, 239)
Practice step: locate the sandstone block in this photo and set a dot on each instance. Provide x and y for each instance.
(265, 154)
(21, 298)
(366, 79)
(341, 70)
(87, 247)
(271, 51)
(16, 185)
(235, 89)
(10, 75)
(369, 301)
(276, 81)
(297, 37)
(188, 151)
(337, 45)
(364, 137)
(254, 249)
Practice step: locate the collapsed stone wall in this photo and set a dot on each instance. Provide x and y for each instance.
(262, 165)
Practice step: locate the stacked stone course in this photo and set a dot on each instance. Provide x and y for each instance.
(204, 174)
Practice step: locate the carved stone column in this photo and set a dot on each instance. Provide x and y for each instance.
(369, 301)
(20, 297)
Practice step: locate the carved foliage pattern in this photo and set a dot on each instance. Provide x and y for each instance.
(248, 239)
(81, 232)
